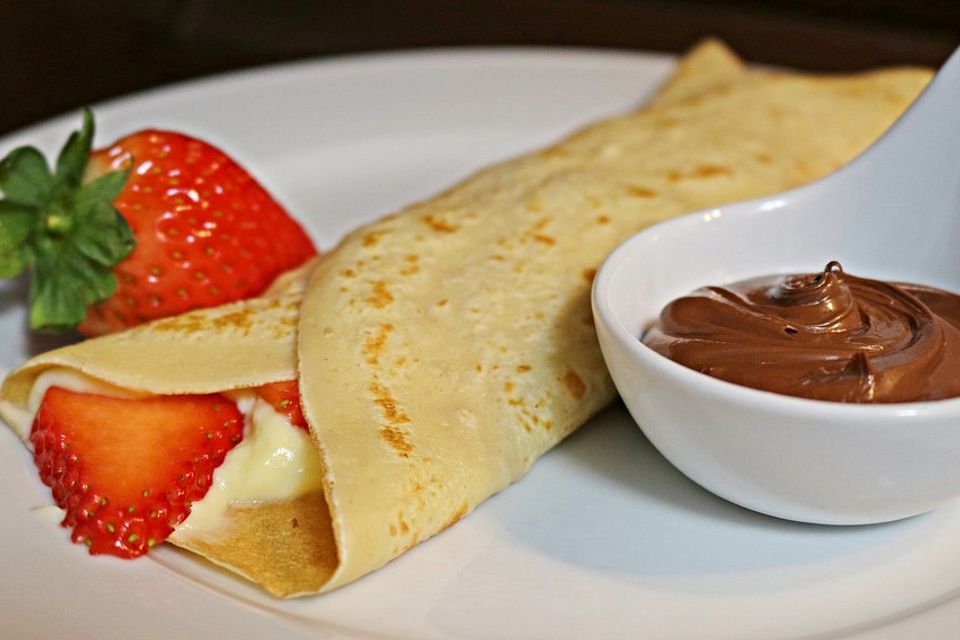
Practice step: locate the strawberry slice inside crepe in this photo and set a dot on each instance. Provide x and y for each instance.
(126, 471)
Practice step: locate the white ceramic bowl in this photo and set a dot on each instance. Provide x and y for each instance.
(806, 460)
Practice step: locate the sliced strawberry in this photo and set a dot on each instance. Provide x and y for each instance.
(127, 470)
(285, 398)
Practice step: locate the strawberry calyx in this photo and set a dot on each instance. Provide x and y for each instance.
(63, 231)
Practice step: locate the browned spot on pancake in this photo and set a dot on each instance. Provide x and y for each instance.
(498, 258)
(508, 387)
(374, 345)
(381, 296)
(372, 238)
(412, 265)
(189, 323)
(478, 367)
(294, 523)
(348, 273)
(574, 384)
(404, 527)
(534, 419)
(241, 319)
(392, 529)
(711, 171)
(397, 439)
(700, 172)
(442, 303)
(388, 406)
(554, 152)
(641, 192)
(589, 274)
(544, 239)
(764, 158)
(523, 368)
(456, 516)
(439, 224)
(603, 219)
(284, 328)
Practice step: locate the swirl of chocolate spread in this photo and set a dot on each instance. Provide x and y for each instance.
(825, 336)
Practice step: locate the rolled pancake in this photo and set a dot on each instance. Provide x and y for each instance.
(443, 349)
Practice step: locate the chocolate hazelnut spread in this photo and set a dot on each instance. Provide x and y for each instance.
(826, 336)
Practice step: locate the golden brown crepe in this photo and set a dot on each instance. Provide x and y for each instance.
(443, 349)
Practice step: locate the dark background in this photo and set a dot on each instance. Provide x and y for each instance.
(58, 54)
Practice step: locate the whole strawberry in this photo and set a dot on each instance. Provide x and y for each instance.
(157, 224)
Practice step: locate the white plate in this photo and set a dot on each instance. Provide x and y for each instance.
(602, 539)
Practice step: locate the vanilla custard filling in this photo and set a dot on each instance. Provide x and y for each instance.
(275, 460)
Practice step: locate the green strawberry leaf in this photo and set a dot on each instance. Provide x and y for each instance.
(105, 237)
(101, 233)
(73, 157)
(65, 282)
(25, 177)
(11, 264)
(105, 188)
(54, 300)
(16, 222)
(67, 234)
